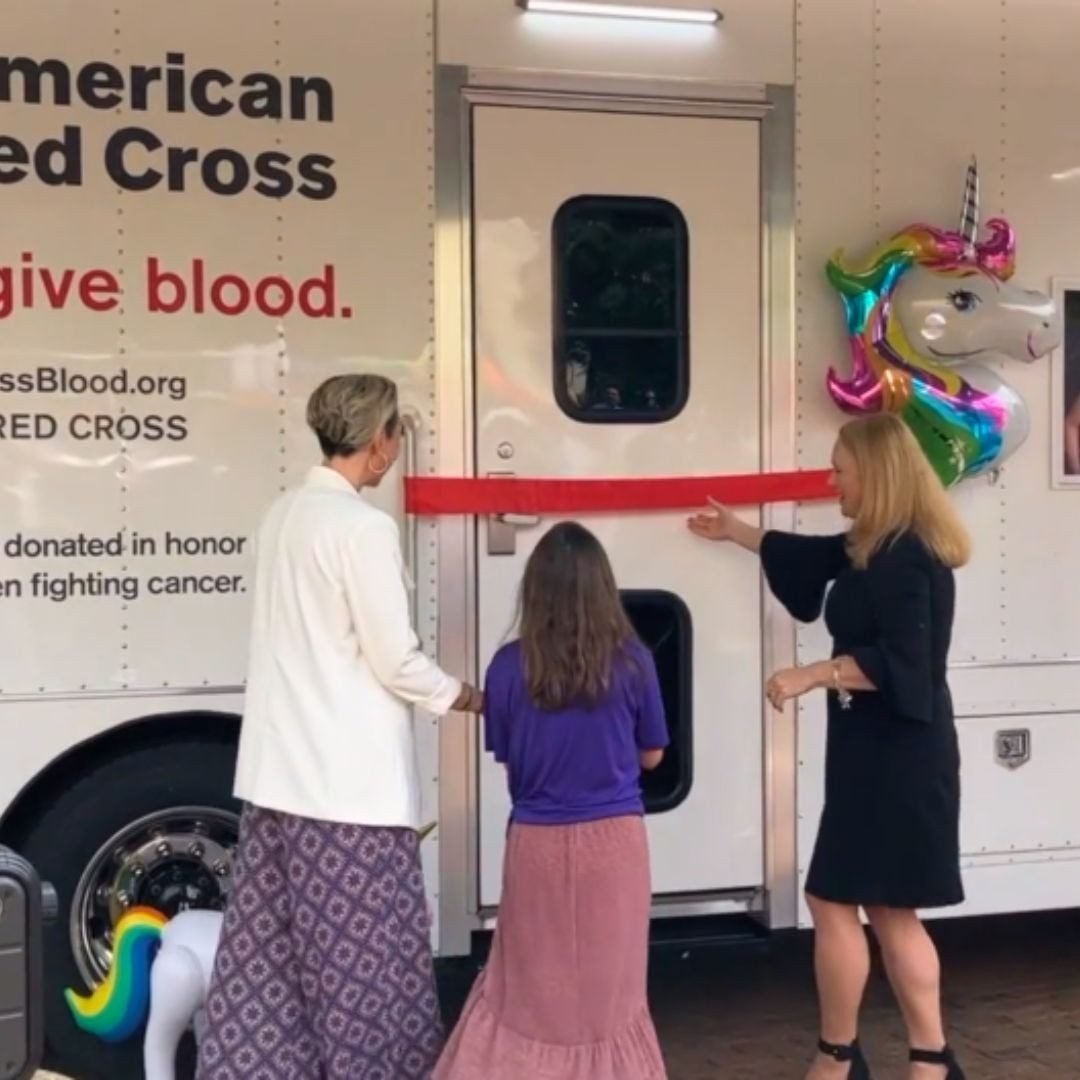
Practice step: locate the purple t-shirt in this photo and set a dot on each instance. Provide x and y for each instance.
(580, 763)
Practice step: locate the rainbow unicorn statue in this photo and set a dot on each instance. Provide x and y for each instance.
(160, 975)
(927, 313)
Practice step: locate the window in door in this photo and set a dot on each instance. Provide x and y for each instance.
(621, 314)
(663, 623)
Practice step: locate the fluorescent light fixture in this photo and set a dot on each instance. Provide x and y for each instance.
(603, 9)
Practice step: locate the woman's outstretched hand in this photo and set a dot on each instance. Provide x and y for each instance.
(716, 523)
(719, 523)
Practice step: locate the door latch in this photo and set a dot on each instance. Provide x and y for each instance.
(502, 529)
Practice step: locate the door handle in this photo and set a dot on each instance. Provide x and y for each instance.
(519, 521)
(502, 529)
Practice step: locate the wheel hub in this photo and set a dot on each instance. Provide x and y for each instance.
(173, 860)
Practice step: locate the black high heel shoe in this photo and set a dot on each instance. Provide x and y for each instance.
(939, 1057)
(859, 1070)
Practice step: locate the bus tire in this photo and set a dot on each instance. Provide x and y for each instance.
(106, 834)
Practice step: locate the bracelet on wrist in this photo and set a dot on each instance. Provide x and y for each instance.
(843, 696)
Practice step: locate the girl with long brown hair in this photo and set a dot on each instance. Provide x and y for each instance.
(573, 709)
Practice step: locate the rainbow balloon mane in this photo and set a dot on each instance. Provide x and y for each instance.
(926, 312)
(961, 428)
(118, 1007)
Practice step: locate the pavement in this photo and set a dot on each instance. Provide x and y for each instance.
(1011, 990)
(746, 1011)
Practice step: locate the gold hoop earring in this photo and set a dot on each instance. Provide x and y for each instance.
(385, 466)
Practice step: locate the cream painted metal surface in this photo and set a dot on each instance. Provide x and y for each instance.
(233, 386)
(875, 151)
(527, 164)
(893, 96)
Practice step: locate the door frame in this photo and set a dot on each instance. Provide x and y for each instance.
(458, 90)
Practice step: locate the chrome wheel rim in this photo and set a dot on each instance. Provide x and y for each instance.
(172, 860)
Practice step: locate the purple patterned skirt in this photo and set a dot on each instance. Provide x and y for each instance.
(324, 970)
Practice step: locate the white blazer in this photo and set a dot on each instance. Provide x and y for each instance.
(335, 664)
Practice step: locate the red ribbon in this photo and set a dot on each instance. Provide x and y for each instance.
(431, 495)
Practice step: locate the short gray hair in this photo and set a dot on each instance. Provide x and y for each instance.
(346, 412)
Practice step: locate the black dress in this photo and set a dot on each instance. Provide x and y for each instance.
(889, 832)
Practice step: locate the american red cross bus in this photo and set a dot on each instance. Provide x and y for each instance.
(585, 246)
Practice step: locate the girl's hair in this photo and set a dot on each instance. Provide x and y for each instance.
(900, 493)
(346, 412)
(571, 622)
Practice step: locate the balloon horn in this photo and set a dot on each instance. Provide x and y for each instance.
(969, 215)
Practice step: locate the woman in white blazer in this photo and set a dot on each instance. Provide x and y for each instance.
(324, 967)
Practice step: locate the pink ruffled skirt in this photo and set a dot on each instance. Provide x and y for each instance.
(563, 995)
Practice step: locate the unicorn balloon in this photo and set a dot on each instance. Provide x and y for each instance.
(927, 313)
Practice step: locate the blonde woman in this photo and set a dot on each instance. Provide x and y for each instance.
(324, 969)
(888, 841)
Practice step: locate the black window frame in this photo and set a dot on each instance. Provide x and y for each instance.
(561, 333)
(681, 734)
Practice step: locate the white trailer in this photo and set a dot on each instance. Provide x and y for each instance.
(209, 208)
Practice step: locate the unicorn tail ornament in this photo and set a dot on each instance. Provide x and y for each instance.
(118, 1007)
(161, 975)
(927, 314)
